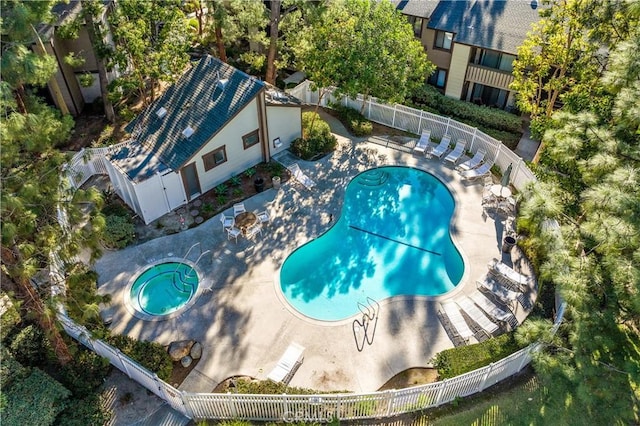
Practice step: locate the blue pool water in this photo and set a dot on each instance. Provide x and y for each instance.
(164, 288)
(392, 238)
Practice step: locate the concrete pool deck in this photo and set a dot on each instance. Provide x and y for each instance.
(243, 322)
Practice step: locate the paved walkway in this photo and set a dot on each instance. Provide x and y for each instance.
(242, 320)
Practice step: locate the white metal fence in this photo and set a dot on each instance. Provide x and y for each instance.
(311, 408)
(414, 121)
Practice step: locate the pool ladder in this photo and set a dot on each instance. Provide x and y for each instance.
(186, 276)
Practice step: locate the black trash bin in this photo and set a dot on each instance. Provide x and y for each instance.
(508, 243)
(258, 184)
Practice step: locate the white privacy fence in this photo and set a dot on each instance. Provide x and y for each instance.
(311, 408)
(414, 121)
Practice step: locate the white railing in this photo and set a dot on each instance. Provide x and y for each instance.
(88, 162)
(414, 121)
(318, 408)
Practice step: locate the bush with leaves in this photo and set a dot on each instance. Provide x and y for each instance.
(9, 319)
(82, 299)
(85, 373)
(151, 355)
(469, 113)
(35, 400)
(86, 411)
(30, 346)
(119, 232)
(357, 124)
(457, 361)
(316, 139)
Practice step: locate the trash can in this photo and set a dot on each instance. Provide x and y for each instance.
(276, 182)
(258, 184)
(508, 243)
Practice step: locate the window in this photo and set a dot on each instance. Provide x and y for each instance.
(417, 25)
(493, 59)
(443, 40)
(214, 158)
(438, 78)
(250, 139)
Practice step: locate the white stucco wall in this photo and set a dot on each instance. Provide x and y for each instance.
(238, 159)
(284, 122)
(457, 70)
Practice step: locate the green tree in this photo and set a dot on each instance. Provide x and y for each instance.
(364, 47)
(591, 188)
(36, 206)
(151, 44)
(562, 58)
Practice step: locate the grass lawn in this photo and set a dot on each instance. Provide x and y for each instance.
(523, 403)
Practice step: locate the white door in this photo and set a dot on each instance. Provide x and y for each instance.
(173, 190)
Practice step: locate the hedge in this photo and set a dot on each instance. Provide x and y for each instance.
(357, 124)
(454, 362)
(316, 139)
(150, 355)
(469, 113)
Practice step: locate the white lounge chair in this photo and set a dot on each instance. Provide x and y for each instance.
(423, 143)
(227, 221)
(494, 288)
(477, 315)
(299, 175)
(501, 270)
(233, 232)
(238, 208)
(477, 173)
(288, 364)
(457, 321)
(457, 152)
(442, 147)
(490, 308)
(473, 162)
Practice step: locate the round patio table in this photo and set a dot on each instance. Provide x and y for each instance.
(245, 220)
(501, 191)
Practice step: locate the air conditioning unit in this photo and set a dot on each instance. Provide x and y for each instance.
(187, 132)
(161, 112)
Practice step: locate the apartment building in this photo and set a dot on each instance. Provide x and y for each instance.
(473, 44)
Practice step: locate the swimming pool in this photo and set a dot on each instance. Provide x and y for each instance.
(163, 289)
(392, 239)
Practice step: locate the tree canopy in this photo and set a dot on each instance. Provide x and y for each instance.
(364, 47)
(590, 186)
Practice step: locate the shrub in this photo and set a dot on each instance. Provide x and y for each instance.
(36, 400)
(9, 319)
(114, 207)
(86, 411)
(10, 369)
(469, 113)
(85, 373)
(119, 232)
(151, 355)
(357, 124)
(30, 346)
(456, 361)
(221, 189)
(316, 139)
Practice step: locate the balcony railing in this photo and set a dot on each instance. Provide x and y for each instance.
(489, 76)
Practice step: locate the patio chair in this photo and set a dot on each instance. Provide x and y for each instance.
(498, 291)
(299, 175)
(423, 143)
(233, 232)
(473, 162)
(227, 221)
(442, 147)
(491, 309)
(262, 216)
(477, 173)
(288, 364)
(458, 323)
(253, 230)
(477, 315)
(505, 272)
(457, 152)
(238, 208)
